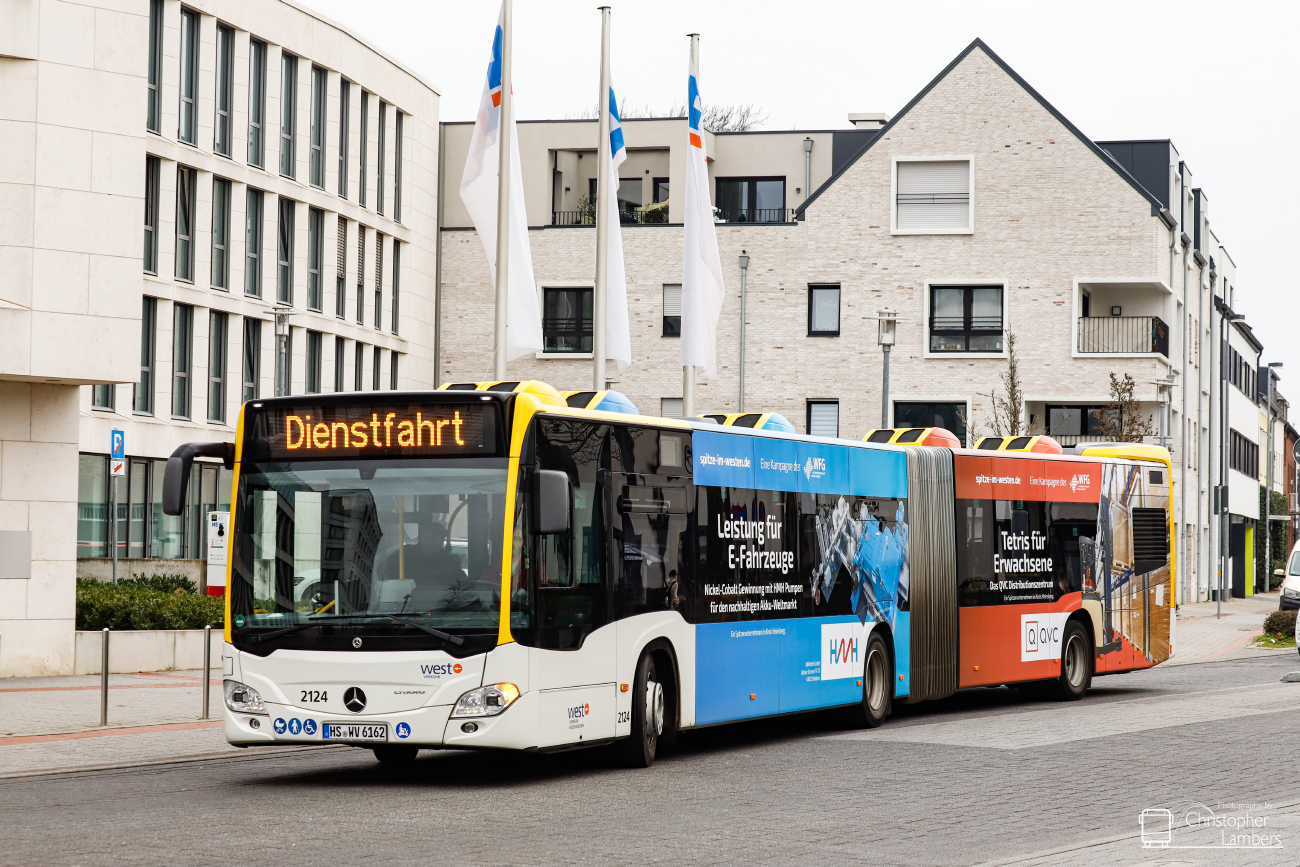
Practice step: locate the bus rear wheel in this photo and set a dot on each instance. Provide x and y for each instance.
(877, 684)
(1076, 663)
(648, 706)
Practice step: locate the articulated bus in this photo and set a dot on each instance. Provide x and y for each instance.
(498, 569)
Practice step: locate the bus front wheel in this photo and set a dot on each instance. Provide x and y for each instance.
(648, 705)
(877, 684)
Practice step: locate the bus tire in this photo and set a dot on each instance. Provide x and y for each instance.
(877, 684)
(648, 705)
(396, 754)
(1076, 663)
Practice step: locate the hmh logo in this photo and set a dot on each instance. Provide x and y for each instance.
(578, 711)
(441, 668)
(814, 465)
(844, 650)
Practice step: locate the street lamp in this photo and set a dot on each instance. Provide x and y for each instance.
(1268, 497)
(888, 323)
(744, 269)
(1221, 499)
(282, 313)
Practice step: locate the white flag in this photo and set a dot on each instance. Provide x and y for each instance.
(702, 291)
(478, 190)
(618, 339)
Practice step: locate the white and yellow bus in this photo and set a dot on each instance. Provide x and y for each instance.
(495, 568)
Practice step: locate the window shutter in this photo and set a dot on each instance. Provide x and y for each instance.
(824, 419)
(670, 407)
(933, 196)
(672, 299)
(342, 263)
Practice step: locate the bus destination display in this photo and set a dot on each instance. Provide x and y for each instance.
(321, 432)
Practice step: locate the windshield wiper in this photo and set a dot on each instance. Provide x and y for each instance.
(322, 619)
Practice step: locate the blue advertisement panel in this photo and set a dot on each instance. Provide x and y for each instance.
(804, 553)
(736, 670)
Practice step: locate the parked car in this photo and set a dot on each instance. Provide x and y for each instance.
(1290, 598)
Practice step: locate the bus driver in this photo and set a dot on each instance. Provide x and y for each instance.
(435, 569)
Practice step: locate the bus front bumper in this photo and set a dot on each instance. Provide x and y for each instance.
(513, 728)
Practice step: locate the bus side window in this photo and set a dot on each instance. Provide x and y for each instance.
(572, 596)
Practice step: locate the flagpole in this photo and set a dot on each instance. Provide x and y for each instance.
(688, 370)
(503, 195)
(606, 196)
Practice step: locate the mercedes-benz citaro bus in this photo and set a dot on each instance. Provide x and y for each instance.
(486, 569)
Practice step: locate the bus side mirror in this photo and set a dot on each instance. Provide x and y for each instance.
(177, 476)
(550, 502)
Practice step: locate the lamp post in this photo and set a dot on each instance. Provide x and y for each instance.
(744, 270)
(282, 314)
(888, 323)
(1221, 501)
(1268, 497)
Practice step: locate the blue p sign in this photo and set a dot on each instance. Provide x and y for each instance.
(118, 451)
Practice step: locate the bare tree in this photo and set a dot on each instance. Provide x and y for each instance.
(1006, 418)
(1121, 421)
(729, 117)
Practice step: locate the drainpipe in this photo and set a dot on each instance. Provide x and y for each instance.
(807, 167)
(437, 262)
(1202, 447)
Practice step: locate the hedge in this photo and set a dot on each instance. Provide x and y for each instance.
(156, 602)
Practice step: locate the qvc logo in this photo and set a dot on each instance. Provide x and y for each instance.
(1040, 636)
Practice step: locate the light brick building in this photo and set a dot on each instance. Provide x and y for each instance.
(977, 212)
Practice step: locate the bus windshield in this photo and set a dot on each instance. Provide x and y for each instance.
(368, 554)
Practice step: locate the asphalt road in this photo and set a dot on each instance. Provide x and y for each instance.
(985, 776)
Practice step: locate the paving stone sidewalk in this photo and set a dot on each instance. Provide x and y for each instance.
(1207, 633)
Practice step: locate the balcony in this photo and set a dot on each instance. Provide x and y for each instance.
(1123, 335)
(754, 215)
(644, 216)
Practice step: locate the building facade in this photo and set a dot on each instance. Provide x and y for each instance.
(977, 213)
(204, 203)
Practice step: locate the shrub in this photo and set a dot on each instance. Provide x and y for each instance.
(1280, 621)
(131, 604)
(167, 583)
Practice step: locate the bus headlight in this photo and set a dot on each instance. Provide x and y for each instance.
(486, 700)
(242, 698)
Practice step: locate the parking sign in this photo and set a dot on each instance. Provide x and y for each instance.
(117, 454)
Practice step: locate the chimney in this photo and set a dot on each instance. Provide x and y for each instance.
(867, 120)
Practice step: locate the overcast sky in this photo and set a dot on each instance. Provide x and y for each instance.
(1222, 80)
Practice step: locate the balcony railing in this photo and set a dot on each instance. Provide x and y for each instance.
(587, 217)
(754, 215)
(1123, 335)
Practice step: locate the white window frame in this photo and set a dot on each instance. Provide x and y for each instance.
(893, 194)
(839, 414)
(541, 305)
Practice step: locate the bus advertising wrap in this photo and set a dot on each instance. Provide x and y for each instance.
(805, 551)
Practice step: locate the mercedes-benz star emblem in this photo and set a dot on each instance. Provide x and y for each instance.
(354, 699)
(356, 642)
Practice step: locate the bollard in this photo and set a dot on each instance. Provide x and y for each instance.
(103, 681)
(207, 665)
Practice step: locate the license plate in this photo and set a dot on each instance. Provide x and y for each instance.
(355, 732)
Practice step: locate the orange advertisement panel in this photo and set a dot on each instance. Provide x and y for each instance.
(1007, 478)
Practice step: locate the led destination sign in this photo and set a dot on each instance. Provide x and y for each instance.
(315, 432)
